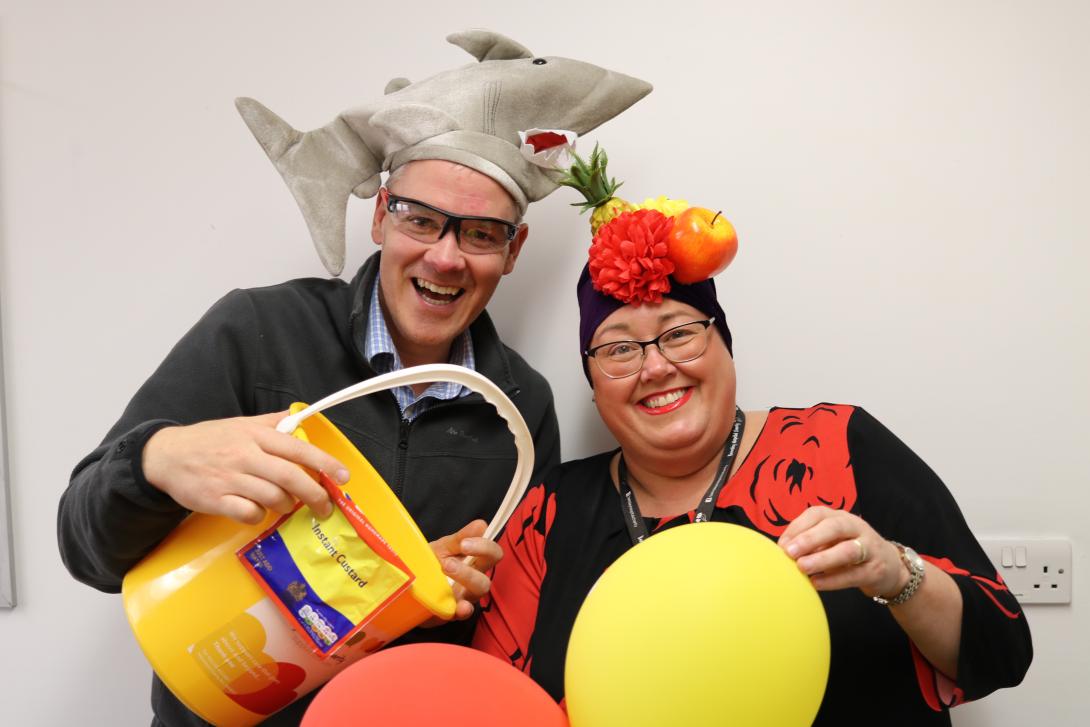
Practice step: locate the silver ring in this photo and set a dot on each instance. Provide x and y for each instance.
(862, 552)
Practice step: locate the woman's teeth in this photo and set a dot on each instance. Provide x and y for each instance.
(654, 402)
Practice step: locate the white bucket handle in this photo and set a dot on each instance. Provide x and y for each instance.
(524, 444)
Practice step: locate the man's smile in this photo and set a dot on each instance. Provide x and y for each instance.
(436, 294)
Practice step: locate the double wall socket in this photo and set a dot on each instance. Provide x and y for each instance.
(1037, 570)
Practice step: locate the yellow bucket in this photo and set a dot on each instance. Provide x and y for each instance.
(212, 634)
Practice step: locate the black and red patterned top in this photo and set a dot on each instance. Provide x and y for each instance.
(569, 529)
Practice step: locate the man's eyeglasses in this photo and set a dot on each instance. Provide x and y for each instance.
(424, 223)
(679, 344)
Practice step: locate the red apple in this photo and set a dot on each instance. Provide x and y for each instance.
(701, 244)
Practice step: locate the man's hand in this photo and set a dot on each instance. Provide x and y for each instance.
(238, 468)
(470, 581)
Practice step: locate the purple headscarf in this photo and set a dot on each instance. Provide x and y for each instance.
(595, 307)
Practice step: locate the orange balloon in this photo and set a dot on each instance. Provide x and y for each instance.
(420, 685)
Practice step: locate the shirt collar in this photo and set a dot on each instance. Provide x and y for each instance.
(383, 356)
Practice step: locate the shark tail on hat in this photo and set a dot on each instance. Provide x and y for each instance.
(348, 167)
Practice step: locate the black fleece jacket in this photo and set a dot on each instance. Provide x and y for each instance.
(259, 350)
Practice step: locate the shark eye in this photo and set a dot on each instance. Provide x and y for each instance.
(540, 61)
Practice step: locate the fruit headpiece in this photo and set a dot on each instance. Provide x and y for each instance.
(639, 249)
(641, 253)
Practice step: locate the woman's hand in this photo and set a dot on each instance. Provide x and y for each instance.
(839, 550)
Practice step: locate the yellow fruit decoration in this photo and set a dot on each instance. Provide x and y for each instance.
(665, 205)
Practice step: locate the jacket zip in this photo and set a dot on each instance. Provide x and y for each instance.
(405, 427)
(402, 455)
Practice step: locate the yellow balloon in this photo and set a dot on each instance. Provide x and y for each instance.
(703, 624)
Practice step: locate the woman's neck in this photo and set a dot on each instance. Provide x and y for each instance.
(664, 495)
(666, 486)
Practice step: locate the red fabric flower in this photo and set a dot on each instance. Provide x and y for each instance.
(628, 258)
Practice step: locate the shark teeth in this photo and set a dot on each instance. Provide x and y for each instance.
(655, 402)
(437, 289)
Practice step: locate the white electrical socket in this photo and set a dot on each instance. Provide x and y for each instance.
(1036, 570)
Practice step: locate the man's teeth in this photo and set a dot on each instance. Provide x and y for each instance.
(654, 402)
(439, 289)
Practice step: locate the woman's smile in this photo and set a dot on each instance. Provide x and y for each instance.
(664, 402)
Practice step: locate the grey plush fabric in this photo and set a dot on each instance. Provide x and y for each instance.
(469, 115)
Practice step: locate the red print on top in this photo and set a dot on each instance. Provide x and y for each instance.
(800, 460)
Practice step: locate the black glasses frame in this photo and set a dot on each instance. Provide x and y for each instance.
(452, 221)
(590, 352)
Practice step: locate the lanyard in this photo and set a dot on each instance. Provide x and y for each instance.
(637, 529)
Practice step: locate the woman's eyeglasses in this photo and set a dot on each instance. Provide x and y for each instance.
(679, 344)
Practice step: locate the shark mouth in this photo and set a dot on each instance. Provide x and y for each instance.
(436, 294)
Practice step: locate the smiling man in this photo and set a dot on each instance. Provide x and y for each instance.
(199, 435)
(437, 271)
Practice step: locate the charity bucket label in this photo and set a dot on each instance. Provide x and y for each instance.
(327, 577)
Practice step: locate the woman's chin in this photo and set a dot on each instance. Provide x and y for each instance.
(670, 440)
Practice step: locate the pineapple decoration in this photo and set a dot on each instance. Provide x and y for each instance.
(591, 180)
(637, 249)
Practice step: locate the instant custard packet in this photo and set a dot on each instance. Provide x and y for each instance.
(329, 577)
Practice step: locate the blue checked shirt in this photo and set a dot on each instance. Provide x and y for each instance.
(383, 357)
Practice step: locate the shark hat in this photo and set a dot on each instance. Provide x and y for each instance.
(506, 116)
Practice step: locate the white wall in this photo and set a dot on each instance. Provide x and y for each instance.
(905, 178)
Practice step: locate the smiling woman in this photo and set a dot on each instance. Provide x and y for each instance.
(911, 635)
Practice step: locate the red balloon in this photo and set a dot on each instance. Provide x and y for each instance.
(419, 685)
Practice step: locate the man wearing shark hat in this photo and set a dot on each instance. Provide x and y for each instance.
(467, 150)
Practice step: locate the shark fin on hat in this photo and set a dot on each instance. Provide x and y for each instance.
(484, 45)
(470, 115)
(395, 85)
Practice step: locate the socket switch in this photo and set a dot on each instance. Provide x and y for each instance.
(1037, 570)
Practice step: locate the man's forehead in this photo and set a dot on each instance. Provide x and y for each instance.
(457, 184)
